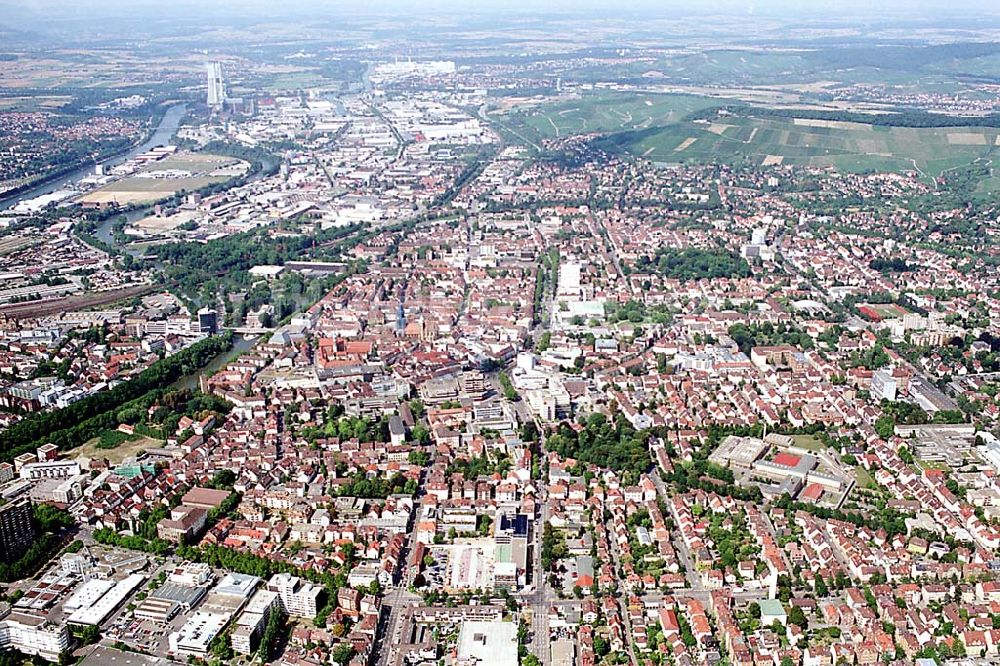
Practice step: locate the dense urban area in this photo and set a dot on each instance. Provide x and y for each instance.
(570, 341)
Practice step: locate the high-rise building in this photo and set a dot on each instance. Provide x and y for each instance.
(208, 321)
(16, 530)
(511, 538)
(298, 597)
(251, 623)
(216, 87)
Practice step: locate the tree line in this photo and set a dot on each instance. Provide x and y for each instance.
(75, 424)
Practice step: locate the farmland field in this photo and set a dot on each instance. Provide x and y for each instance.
(657, 127)
(612, 112)
(851, 147)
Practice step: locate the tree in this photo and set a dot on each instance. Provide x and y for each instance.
(87, 634)
(223, 479)
(271, 638)
(221, 647)
(342, 653)
(417, 457)
(821, 589)
(885, 426)
(797, 617)
(420, 434)
(507, 387)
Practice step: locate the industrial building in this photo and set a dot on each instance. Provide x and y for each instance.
(106, 603)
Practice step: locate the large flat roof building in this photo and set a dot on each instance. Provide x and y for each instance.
(742, 452)
(488, 643)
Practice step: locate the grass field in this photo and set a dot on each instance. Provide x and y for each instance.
(204, 169)
(863, 478)
(116, 455)
(808, 442)
(610, 112)
(849, 147)
(926, 464)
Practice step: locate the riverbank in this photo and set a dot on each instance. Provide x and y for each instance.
(164, 132)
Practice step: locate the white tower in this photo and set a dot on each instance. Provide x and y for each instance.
(216, 88)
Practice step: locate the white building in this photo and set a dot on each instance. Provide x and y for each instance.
(884, 385)
(298, 597)
(197, 633)
(56, 469)
(488, 643)
(252, 621)
(32, 635)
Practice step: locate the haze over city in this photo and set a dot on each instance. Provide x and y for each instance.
(499, 333)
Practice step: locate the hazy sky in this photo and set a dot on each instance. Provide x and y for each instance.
(802, 7)
(80, 18)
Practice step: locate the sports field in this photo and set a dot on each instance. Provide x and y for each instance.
(882, 311)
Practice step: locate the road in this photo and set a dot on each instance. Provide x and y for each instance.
(616, 555)
(399, 598)
(540, 597)
(386, 635)
(609, 257)
(683, 553)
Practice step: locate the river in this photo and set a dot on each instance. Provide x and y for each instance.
(105, 229)
(160, 137)
(241, 345)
